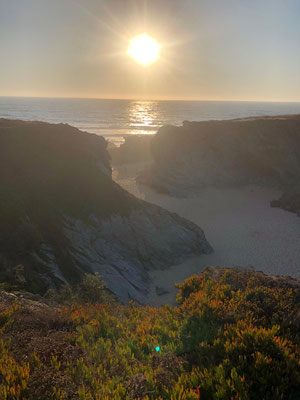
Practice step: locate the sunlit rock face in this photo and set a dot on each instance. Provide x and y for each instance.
(262, 150)
(61, 215)
(123, 248)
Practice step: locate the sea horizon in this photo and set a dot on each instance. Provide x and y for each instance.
(150, 99)
(117, 118)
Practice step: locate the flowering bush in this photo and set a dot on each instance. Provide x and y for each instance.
(231, 337)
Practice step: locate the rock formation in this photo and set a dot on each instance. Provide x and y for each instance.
(289, 201)
(261, 150)
(136, 148)
(62, 215)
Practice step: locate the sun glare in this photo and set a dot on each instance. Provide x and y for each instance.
(144, 49)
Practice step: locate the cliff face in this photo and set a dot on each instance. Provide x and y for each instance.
(62, 215)
(136, 148)
(289, 201)
(254, 150)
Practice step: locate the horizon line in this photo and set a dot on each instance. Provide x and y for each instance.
(149, 99)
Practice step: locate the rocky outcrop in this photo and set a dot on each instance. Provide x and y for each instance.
(289, 201)
(123, 248)
(61, 215)
(136, 148)
(262, 150)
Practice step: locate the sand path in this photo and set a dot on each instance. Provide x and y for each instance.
(239, 224)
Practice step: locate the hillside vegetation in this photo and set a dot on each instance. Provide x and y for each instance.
(234, 335)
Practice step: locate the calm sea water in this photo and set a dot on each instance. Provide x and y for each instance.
(116, 118)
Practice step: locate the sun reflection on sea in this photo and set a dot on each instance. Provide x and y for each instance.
(143, 116)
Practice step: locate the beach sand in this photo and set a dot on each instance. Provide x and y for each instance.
(239, 224)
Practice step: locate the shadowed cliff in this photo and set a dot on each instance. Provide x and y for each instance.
(262, 150)
(62, 215)
(289, 201)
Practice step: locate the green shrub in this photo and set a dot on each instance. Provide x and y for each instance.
(231, 338)
(90, 290)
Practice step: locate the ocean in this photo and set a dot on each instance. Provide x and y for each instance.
(115, 119)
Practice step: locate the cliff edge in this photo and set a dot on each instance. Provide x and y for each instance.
(61, 215)
(260, 150)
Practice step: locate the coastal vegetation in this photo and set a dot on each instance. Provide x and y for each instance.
(64, 335)
(234, 335)
(143, 146)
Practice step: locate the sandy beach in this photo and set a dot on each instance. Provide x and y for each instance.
(239, 224)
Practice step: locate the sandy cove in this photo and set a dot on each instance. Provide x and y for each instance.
(239, 224)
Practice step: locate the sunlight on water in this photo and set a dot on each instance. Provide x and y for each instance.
(115, 119)
(143, 115)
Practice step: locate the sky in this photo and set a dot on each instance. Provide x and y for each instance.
(209, 49)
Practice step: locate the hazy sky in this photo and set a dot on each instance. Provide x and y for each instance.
(211, 49)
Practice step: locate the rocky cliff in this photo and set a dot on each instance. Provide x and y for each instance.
(289, 201)
(136, 148)
(62, 215)
(262, 150)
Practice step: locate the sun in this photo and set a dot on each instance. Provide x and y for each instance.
(144, 49)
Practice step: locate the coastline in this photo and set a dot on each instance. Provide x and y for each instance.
(238, 222)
